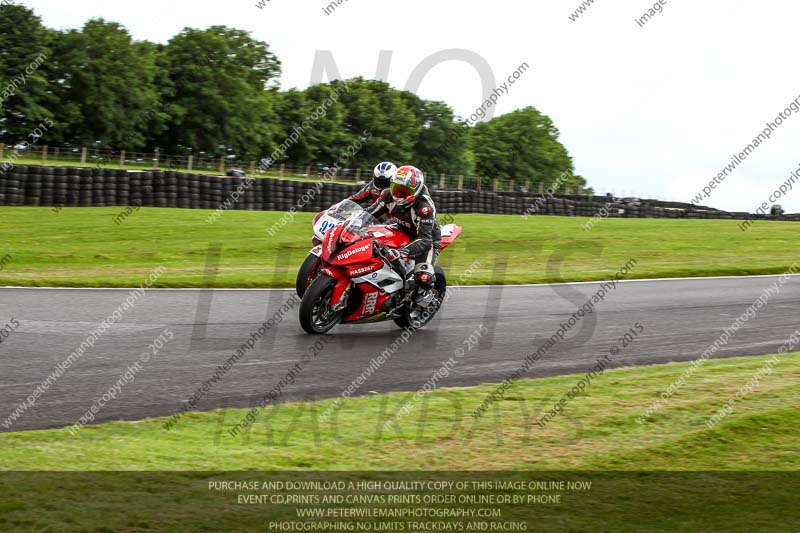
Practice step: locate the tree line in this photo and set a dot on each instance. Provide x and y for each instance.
(216, 91)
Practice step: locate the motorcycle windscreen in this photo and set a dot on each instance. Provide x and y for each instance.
(335, 215)
(358, 227)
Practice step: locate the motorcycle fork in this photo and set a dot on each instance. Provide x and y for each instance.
(342, 303)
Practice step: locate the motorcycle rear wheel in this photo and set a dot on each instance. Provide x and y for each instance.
(316, 310)
(415, 319)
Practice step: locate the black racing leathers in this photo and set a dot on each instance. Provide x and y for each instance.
(418, 221)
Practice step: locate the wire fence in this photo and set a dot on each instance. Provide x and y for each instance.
(201, 163)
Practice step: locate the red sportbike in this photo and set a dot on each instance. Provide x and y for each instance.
(362, 278)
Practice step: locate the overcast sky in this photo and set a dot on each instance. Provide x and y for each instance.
(653, 111)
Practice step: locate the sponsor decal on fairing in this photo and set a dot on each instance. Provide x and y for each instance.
(354, 251)
(370, 302)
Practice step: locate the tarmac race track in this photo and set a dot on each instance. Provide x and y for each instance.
(681, 318)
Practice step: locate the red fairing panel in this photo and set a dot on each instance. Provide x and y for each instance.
(371, 303)
(329, 243)
(450, 233)
(342, 281)
(359, 254)
(390, 238)
(362, 270)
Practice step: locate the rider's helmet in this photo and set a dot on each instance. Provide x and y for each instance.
(383, 174)
(407, 185)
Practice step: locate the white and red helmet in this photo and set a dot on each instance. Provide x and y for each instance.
(407, 185)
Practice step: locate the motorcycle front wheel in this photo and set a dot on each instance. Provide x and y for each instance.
(308, 271)
(316, 310)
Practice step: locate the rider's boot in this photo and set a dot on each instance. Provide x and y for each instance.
(423, 278)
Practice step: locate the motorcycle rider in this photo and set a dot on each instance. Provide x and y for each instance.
(382, 177)
(408, 202)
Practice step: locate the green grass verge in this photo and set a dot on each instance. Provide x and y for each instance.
(671, 473)
(598, 430)
(84, 247)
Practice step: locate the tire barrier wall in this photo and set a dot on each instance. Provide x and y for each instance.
(93, 187)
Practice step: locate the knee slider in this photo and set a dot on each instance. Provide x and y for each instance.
(424, 275)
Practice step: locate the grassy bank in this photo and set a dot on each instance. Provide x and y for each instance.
(597, 431)
(85, 247)
(714, 483)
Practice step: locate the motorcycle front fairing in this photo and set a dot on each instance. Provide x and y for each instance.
(332, 217)
(348, 248)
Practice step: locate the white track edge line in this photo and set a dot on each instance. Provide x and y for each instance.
(461, 286)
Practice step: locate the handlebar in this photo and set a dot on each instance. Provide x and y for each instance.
(390, 254)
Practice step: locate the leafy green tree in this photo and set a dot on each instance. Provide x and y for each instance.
(25, 55)
(216, 97)
(441, 142)
(292, 107)
(375, 107)
(157, 117)
(106, 86)
(313, 121)
(522, 145)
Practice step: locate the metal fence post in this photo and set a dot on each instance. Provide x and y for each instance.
(122, 158)
(2, 149)
(222, 165)
(461, 182)
(44, 154)
(190, 163)
(83, 155)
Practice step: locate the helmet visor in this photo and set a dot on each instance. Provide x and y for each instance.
(401, 191)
